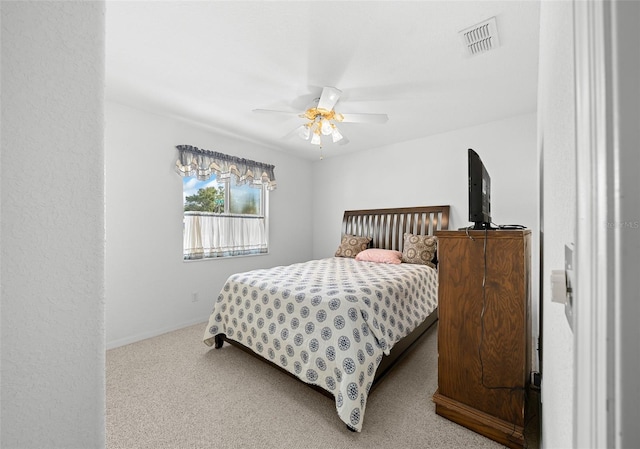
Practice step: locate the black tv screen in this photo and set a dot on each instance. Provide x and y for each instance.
(479, 193)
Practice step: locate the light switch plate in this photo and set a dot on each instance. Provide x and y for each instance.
(569, 270)
(559, 286)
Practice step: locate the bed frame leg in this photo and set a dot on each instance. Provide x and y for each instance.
(219, 341)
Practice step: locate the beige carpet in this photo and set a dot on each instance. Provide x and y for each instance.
(175, 392)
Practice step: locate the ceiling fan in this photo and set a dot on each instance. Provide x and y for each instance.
(321, 118)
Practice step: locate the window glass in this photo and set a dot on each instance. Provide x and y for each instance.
(222, 219)
(203, 196)
(245, 199)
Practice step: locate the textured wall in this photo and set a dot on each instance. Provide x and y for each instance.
(52, 235)
(556, 131)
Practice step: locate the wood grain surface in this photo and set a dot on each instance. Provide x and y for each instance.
(484, 325)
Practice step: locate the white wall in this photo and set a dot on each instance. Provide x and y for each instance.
(148, 286)
(433, 171)
(556, 148)
(52, 236)
(430, 171)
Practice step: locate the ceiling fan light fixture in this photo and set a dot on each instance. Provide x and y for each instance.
(335, 134)
(325, 127)
(305, 132)
(322, 118)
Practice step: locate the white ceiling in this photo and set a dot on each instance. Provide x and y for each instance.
(214, 62)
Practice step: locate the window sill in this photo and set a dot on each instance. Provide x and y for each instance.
(225, 257)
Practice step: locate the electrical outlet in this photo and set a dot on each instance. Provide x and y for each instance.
(194, 297)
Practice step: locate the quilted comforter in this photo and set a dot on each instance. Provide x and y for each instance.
(327, 321)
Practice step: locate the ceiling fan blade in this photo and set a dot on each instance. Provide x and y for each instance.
(343, 141)
(295, 132)
(329, 98)
(364, 118)
(274, 111)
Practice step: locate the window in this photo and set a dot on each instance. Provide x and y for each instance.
(225, 204)
(245, 199)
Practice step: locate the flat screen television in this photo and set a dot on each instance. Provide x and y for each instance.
(479, 193)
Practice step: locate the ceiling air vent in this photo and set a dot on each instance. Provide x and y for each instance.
(480, 38)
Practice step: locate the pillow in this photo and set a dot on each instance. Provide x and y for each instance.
(351, 245)
(419, 249)
(380, 255)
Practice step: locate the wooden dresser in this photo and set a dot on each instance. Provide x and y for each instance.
(484, 332)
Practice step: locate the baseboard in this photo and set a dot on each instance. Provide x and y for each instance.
(154, 333)
(508, 434)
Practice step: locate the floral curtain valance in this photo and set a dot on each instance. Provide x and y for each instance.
(203, 164)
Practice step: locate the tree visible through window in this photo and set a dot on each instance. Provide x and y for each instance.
(211, 196)
(225, 201)
(208, 199)
(223, 218)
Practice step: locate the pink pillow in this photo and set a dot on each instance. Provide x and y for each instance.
(380, 255)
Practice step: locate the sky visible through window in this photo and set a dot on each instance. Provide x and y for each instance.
(191, 185)
(240, 195)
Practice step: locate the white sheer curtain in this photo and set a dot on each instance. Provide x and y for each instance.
(212, 235)
(208, 235)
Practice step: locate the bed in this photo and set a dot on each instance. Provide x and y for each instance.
(341, 323)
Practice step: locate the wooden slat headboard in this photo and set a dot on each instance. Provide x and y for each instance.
(386, 227)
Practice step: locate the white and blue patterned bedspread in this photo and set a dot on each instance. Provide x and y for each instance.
(327, 321)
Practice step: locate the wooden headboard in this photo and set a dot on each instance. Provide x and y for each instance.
(386, 227)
